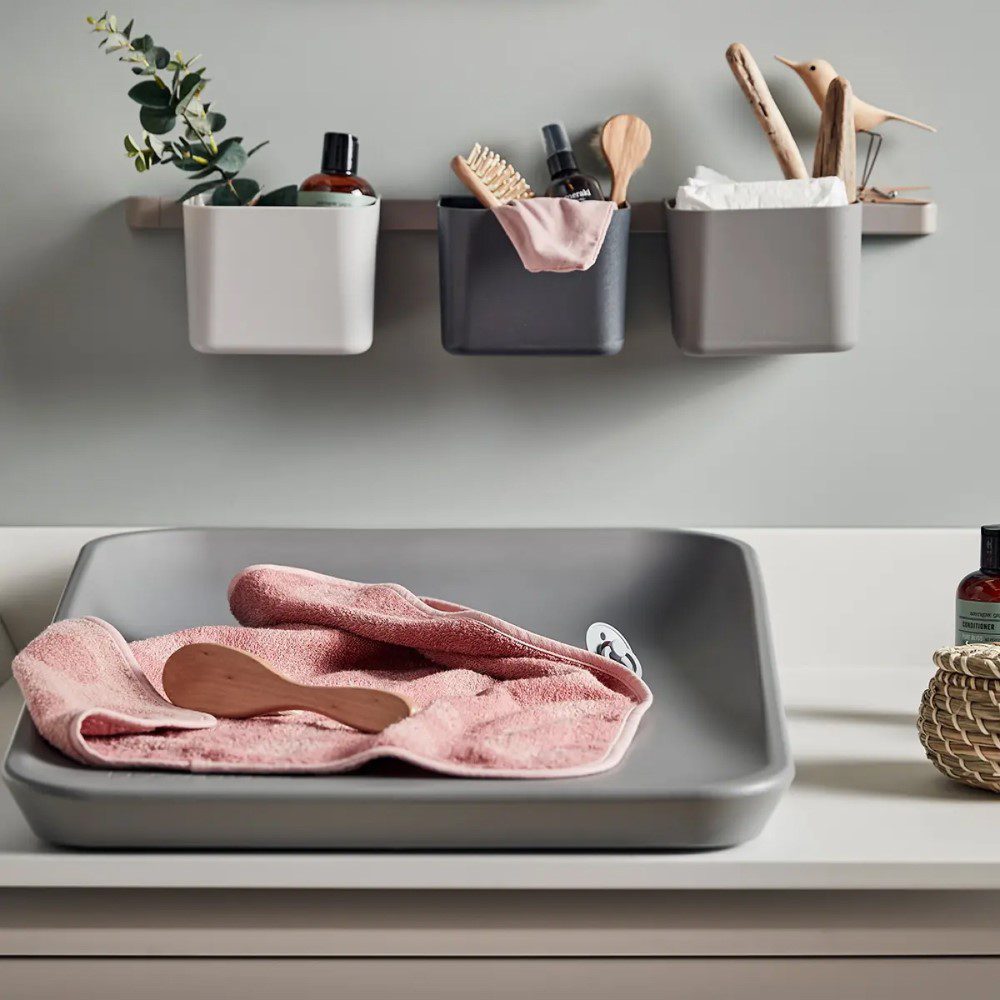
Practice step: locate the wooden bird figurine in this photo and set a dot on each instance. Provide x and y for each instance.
(818, 74)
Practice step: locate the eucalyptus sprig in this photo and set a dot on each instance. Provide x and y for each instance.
(174, 101)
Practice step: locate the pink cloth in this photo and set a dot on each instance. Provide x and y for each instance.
(490, 699)
(556, 234)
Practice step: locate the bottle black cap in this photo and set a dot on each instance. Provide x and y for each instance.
(989, 548)
(340, 153)
(558, 151)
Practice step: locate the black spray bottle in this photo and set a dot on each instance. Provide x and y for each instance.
(567, 181)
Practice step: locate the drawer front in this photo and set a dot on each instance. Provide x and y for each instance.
(501, 979)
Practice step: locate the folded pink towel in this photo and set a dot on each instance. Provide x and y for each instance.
(556, 234)
(490, 699)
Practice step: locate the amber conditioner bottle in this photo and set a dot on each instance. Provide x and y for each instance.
(977, 616)
(337, 184)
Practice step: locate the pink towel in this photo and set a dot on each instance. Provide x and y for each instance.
(556, 234)
(490, 699)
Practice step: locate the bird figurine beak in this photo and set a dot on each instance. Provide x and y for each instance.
(788, 63)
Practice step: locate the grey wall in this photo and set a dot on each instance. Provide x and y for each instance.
(107, 416)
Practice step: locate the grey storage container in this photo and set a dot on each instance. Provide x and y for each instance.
(765, 281)
(491, 305)
(707, 766)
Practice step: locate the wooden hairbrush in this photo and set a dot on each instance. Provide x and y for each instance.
(226, 682)
(490, 178)
(625, 141)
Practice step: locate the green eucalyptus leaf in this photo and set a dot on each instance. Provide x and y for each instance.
(189, 83)
(127, 30)
(245, 190)
(140, 164)
(159, 57)
(260, 145)
(191, 166)
(157, 122)
(197, 129)
(131, 146)
(231, 158)
(191, 99)
(150, 95)
(199, 189)
(216, 122)
(279, 197)
(144, 43)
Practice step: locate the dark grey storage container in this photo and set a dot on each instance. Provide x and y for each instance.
(765, 281)
(491, 305)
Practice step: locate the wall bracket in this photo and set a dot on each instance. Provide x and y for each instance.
(420, 215)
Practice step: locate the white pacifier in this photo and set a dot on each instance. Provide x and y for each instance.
(607, 641)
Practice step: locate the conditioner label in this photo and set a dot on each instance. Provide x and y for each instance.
(977, 621)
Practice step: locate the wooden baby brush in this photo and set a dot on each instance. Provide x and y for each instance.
(625, 143)
(491, 179)
(226, 682)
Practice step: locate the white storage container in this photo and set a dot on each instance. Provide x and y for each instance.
(282, 280)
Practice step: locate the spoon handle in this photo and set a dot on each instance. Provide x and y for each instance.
(366, 709)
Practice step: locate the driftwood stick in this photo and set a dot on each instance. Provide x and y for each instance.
(754, 86)
(836, 147)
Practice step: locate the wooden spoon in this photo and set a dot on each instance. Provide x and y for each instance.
(220, 680)
(625, 142)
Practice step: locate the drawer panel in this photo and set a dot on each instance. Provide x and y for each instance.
(501, 979)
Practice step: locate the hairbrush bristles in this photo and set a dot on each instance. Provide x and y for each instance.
(490, 178)
(497, 174)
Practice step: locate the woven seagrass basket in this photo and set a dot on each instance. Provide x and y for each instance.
(959, 721)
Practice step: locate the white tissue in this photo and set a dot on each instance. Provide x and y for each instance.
(709, 190)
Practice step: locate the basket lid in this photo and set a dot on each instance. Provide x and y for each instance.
(974, 659)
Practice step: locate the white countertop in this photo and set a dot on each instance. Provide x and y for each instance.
(866, 811)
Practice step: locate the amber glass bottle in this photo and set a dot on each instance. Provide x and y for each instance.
(977, 614)
(567, 180)
(337, 183)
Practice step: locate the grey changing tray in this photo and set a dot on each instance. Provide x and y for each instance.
(707, 767)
